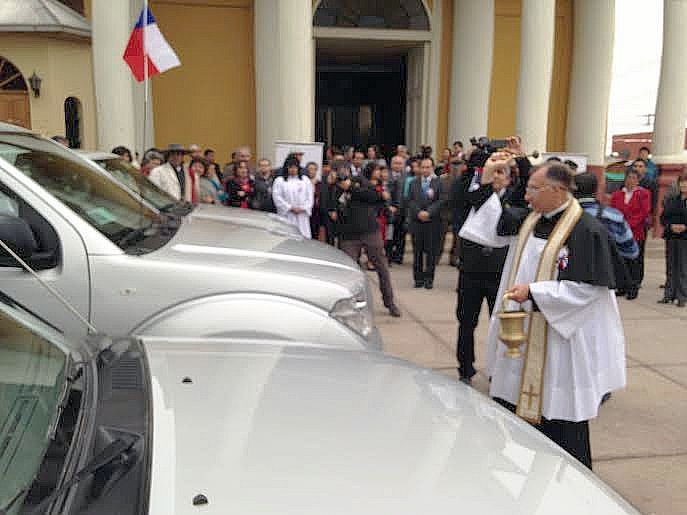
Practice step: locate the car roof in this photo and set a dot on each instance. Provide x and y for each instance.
(97, 155)
(8, 127)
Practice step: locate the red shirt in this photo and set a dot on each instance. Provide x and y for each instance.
(636, 211)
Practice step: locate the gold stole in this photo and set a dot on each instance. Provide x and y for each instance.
(532, 379)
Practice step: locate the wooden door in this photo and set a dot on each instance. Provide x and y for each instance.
(14, 108)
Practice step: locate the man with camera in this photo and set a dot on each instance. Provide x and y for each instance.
(481, 265)
(357, 228)
(424, 219)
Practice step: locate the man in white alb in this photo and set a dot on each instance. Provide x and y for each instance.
(559, 267)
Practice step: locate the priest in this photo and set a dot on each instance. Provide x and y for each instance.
(559, 269)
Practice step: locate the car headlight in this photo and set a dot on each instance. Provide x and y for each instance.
(355, 312)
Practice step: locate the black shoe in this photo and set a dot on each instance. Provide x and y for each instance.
(632, 295)
(665, 300)
(394, 311)
(620, 293)
(419, 284)
(429, 285)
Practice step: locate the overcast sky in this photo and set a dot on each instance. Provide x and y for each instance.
(636, 64)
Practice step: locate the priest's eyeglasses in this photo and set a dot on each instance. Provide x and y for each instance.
(533, 190)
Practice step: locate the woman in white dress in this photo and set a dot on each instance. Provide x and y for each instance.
(293, 196)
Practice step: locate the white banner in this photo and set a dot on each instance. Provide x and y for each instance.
(312, 152)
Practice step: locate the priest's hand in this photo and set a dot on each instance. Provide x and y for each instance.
(423, 216)
(519, 293)
(678, 228)
(497, 161)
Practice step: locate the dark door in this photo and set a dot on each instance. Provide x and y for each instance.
(361, 104)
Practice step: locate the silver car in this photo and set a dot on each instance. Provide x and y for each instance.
(134, 268)
(170, 426)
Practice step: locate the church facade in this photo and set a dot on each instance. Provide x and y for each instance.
(339, 71)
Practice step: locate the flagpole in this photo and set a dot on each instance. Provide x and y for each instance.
(146, 87)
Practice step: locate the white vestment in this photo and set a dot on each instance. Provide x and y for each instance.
(294, 192)
(586, 345)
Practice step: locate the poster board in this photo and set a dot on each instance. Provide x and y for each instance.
(580, 159)
(311, 152)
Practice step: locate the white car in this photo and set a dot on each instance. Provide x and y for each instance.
(174, 426)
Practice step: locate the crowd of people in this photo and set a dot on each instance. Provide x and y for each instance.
(429, 208)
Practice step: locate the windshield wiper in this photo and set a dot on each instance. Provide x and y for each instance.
(118, 457)
(179, 208)
(134, 235)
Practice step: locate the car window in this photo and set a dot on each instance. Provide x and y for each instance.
(102, 202)
(134, 180)
(32, 381)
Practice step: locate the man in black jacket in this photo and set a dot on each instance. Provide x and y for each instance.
(480, 266)
(357, 228)
(424, 219)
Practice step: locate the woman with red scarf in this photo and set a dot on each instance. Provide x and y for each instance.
(240, 189)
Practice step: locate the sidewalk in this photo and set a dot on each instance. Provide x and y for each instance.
(639, 440)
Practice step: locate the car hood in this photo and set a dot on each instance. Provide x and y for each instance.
(256, 219)
(275, 429)
(214, 253)
(222, 236)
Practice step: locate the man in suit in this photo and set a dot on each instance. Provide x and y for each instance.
(398, 176)
(424, 215)
(175, 178)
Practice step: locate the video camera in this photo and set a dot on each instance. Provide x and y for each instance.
(489, 145)
(484, 148)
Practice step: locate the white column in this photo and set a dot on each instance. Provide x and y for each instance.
(536, 64)
(473, 52)
(590, 80)
(671, 105)
(112, 23)
(284, 60)
(434, 78)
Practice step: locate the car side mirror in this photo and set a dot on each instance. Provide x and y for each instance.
(18, 236)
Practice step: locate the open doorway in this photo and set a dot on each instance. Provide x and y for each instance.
(372, 72)
(369, 92)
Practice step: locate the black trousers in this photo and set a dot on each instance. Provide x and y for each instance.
(399, 240)
(426, 237)
(571, 436)
(473, 289)
(640, 260)
(676, 269)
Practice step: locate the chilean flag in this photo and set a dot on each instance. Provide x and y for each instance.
(161, 56)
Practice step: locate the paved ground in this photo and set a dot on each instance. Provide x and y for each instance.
(639, 441)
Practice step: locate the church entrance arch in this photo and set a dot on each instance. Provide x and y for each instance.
(14, 95)
(372, 72)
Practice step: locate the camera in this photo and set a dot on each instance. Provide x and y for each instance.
(485, 147)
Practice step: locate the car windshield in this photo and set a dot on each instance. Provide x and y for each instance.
(33, 374)
(133, 179)
(94, 196)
